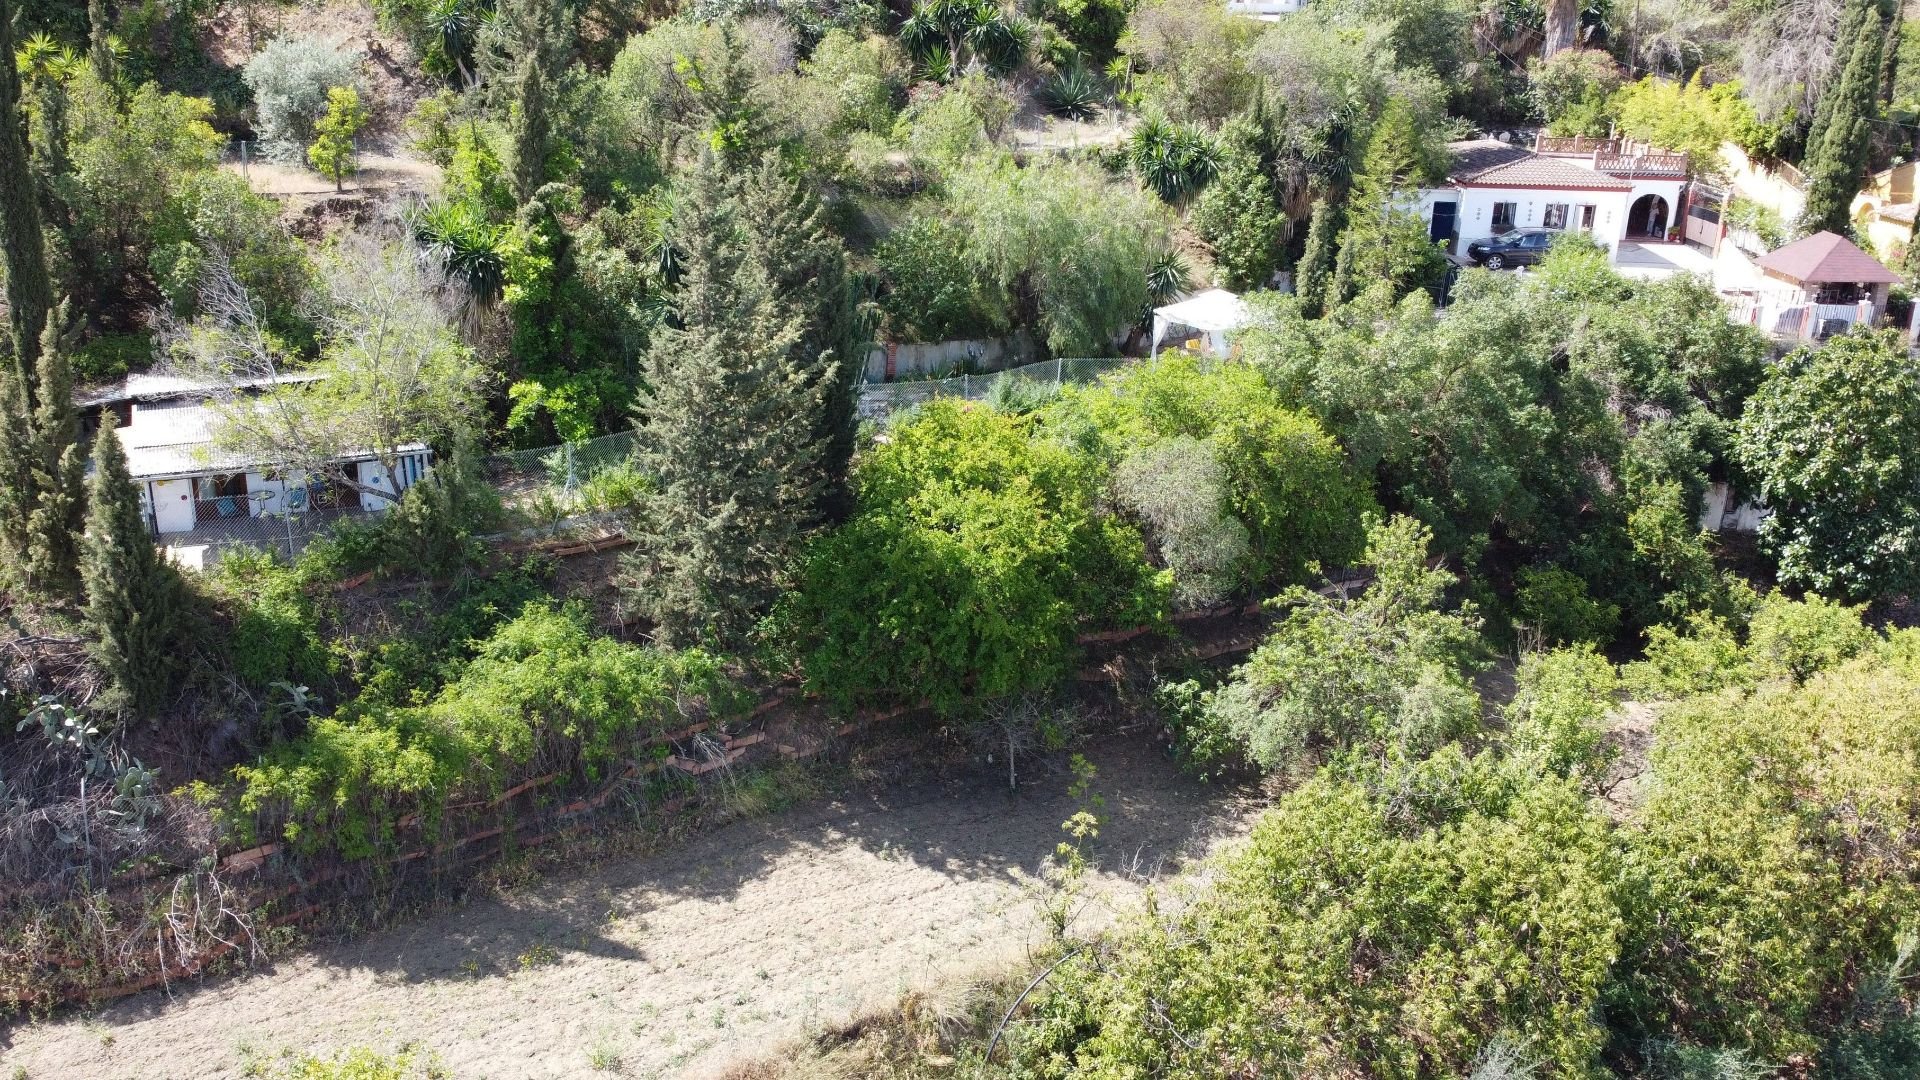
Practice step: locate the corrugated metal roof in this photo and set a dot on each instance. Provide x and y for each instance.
(175, 438)
(1826, 258)
(153, 386)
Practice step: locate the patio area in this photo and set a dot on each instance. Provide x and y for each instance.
(1652, 262)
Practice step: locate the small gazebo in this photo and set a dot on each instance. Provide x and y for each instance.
(1209, 315)
(1829, 269)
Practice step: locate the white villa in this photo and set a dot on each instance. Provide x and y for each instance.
(1618, 190)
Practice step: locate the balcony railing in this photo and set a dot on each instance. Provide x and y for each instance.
(1648, 164)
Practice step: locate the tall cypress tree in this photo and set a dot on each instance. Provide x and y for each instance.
(59, 469)
(100, 41)
(29, 299)
(22, 249)
(1841, 137)
(1313, 276)
(806, 263)
(136, 601)
(538, 38)
(1385, 240)
(728, 426)
(1239, 213)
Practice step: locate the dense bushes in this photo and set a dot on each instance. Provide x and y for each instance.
(1285, 481)
(542, 691)
(1410, 916)
(975, 558)
(1361, 933)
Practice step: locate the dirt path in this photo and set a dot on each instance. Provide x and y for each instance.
(676, 964)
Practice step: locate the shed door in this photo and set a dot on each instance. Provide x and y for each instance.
(173, 506)
(1444, 216)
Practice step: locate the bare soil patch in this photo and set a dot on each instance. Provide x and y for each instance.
(678, 964)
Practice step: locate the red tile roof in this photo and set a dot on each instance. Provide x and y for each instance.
(1826, 257)
(1489, 163)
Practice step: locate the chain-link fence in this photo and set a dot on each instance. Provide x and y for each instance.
(565, 467)
(880, 400)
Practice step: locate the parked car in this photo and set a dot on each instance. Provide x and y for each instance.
(1520, 247)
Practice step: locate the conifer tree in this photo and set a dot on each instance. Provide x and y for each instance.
(806, 263)
(136, 602)
(1840, 139)
(23, 262)
(100, 42)
(728, 425)
(59, 469)
(23, 254)
(1239, 213)
(1385, 239)
(1313, 276)
(538, 36)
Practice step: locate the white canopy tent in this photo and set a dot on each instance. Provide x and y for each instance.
(1214, 313)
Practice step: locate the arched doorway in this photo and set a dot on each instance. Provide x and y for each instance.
(1649, 218)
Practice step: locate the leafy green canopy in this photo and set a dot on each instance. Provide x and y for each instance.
(542, 692)
(1832, 443)
(1750, 899)
(974, 560)
(1390, 925)
(1536, 418)
(1380, 675)
(1286, 482)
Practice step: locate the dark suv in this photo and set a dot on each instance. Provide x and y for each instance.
(1520, 247)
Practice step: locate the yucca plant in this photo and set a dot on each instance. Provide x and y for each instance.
(465, 247)
(1073, 92)
(1175, 160)
(947, 36)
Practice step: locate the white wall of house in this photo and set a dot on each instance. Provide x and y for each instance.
(373, 474)
(1264, 7)
(275, 491)
(1478, 206)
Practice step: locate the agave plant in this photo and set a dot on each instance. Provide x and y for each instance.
(1073, 92)
(40, 57)
(1175, 160)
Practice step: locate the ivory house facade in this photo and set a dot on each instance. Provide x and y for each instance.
(1620, 192)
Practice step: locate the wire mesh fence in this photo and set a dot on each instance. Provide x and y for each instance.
(880, 400)
(564, 467)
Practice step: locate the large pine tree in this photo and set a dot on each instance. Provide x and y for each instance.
(806, 263)
(728, 427)
(136, 601)
(1840, 139)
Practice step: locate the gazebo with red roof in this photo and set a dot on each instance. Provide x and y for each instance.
(1829, 269)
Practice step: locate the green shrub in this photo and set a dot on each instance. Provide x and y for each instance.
(276, 625)
(975, 559)
(1555, 603)
(543, 691)
(1287, 482)
(1391, 928)
(1771, 867)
